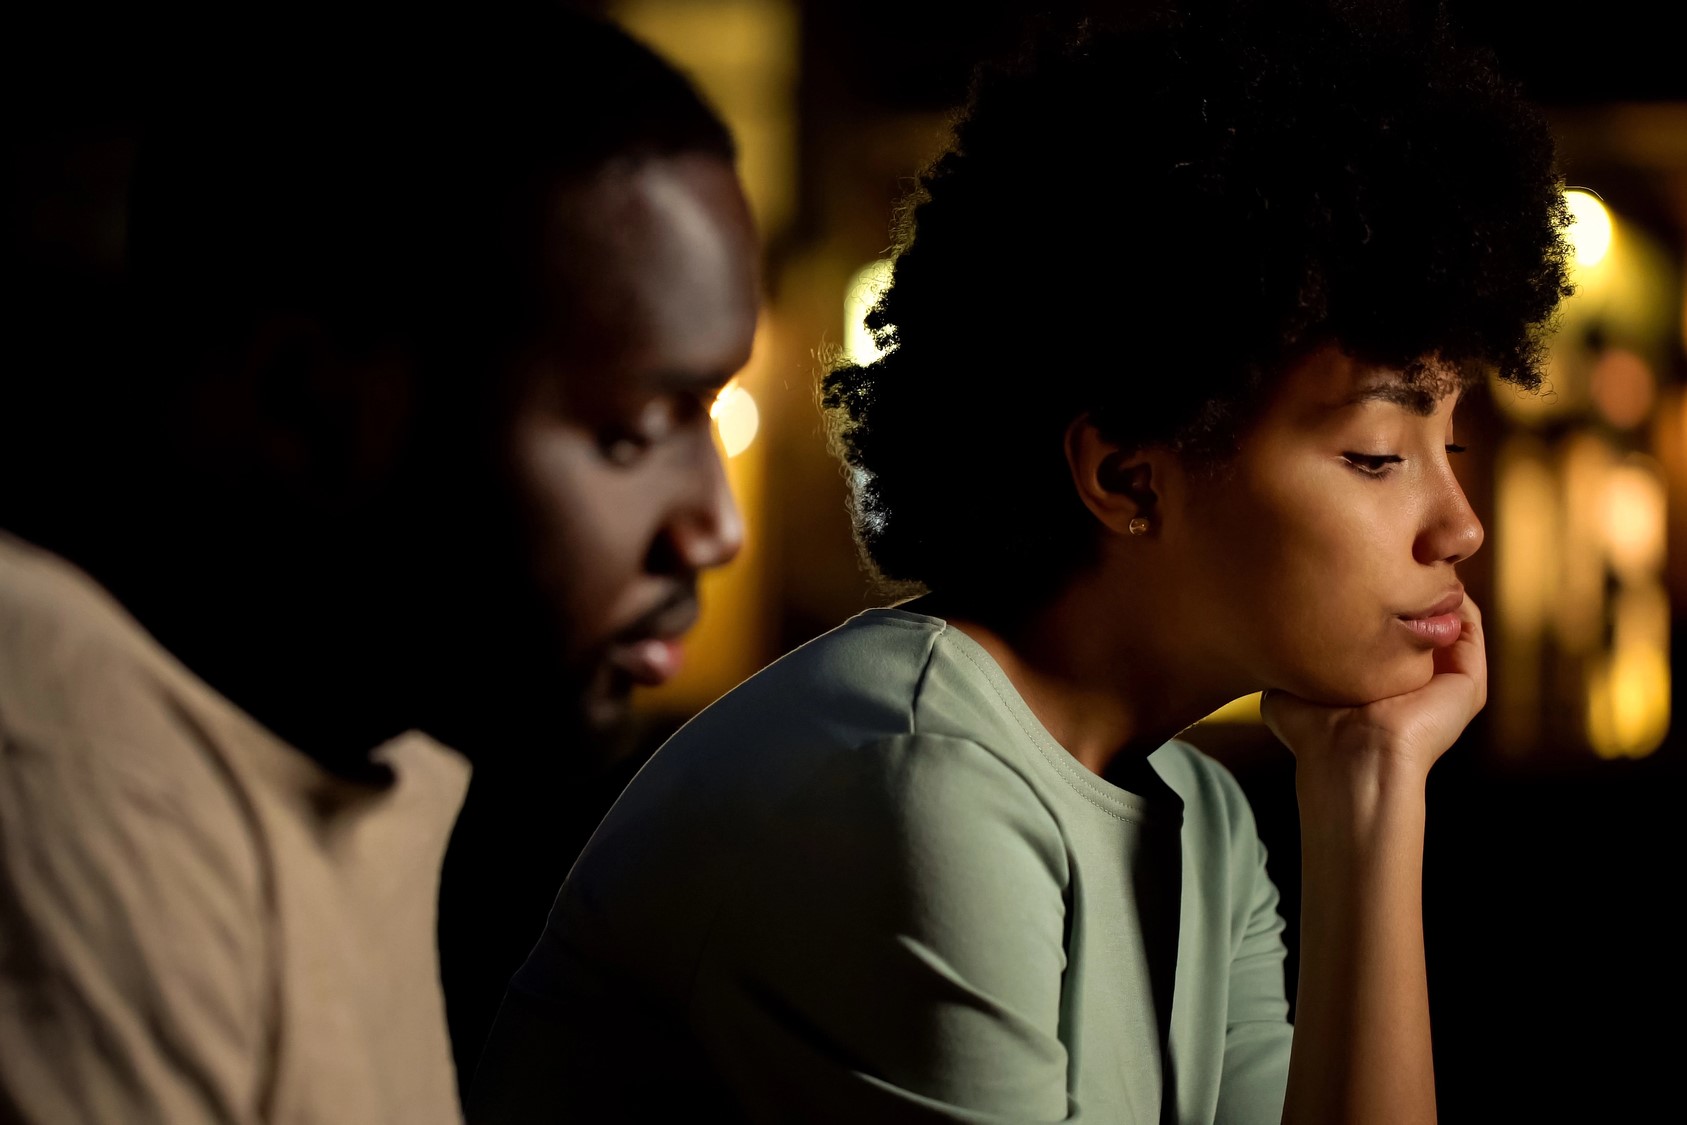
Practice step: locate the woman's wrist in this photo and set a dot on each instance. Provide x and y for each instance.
(1368, 769)
(1347, 805)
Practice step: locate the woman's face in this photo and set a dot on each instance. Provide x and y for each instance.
(1324, 560)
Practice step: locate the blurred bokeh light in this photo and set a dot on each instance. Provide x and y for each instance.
(1590, 228)
(736, 418)
(865, 288)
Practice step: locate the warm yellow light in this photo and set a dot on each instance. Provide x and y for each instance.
(743, 55)
(1590, 226)
(1243, 710)
(1628, 692)
(1634, 515)
(1536, 406)
(736, 417)
(1623, 388)
(865, 288)
(1527, 533)
(1587, 461)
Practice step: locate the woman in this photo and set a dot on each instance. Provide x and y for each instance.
(1176, 337)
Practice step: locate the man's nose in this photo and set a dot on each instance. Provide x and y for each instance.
(706, 529)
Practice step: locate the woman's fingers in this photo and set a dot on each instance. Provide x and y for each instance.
(1464, 654)
(1467, 656)
(1419, 725)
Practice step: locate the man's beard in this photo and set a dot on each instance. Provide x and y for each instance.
(603, 690)
(602, 701)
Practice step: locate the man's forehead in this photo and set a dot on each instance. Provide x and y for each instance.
(663, 295)
(616, 373)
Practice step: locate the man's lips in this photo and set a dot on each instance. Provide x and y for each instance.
(651, 662)
(1439, 625)
(653, 653)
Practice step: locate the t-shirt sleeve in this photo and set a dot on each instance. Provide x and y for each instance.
(131, 959)
(896, 953)
(1258, 1035)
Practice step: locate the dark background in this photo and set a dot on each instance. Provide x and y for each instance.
(1551, 879)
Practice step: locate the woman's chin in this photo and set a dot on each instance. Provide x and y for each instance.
(1340, 688)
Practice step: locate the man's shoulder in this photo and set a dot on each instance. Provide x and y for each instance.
(62, 635)
(133, 890)
(94, 716)
(44, 597)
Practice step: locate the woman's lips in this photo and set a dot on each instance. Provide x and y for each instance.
(1440, 624)
(651, 662)
(1438, 631)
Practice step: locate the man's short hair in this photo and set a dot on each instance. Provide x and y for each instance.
(383, 171)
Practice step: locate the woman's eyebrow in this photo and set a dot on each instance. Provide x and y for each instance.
(1415, 399)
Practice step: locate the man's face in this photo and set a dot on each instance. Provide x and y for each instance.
(611, 450)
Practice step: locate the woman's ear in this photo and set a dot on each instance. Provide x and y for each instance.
(1116, 484)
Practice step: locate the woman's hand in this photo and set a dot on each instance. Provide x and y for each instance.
(1362, 1038)
(1401, 736)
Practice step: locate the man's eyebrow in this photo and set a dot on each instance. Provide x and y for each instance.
(1415, 399)
(692, 382)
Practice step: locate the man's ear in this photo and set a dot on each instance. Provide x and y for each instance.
(326, 421)
(1118, 485)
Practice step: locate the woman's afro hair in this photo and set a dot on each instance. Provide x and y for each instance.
(1147, 225)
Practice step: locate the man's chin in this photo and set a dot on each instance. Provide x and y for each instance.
(604, 715)
(606, 703)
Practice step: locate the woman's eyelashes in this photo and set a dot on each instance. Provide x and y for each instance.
(1381, 464)
(1372, 464)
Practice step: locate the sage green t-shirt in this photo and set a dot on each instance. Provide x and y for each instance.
(866, 886)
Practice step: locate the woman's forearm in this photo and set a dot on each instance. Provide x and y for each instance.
(1362, 1037)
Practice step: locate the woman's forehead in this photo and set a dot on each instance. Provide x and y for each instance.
(1330, 380)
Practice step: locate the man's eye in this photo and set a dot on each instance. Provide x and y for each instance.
(1373, 464)
(1452, 448)
(622, 447)
(654, 423)
(623, 442)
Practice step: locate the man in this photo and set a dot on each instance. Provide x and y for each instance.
(410, 447)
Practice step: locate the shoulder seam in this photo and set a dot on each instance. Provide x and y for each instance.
(925, 672)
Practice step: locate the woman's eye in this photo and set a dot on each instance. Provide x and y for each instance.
(1373, 464)
(1451, 448)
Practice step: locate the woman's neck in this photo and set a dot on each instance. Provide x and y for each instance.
(1106, 678)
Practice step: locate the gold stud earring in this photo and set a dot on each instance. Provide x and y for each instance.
(1139, 526)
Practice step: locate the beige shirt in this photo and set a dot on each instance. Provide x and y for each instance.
(197, 922)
